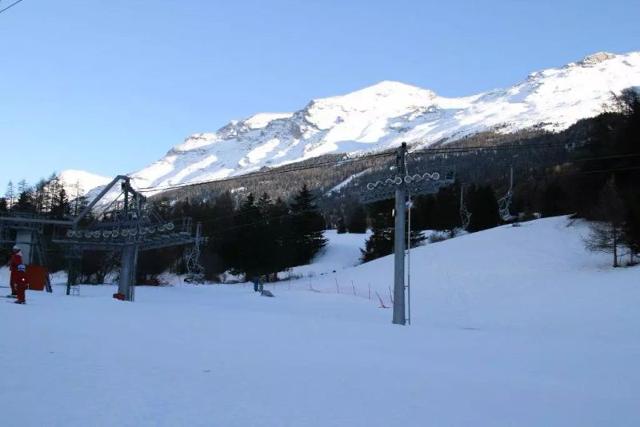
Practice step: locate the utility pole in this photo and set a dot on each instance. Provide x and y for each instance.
(400, 185)
(399, 317)
(409, 207)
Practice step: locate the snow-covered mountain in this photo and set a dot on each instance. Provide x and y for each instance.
(78, 182)
(384, 115)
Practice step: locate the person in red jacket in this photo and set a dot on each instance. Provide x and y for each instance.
(14, 262)
(21, 284)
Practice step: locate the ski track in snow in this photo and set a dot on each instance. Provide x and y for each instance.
(515, 326)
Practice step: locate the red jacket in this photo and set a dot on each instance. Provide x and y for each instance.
(15, 261)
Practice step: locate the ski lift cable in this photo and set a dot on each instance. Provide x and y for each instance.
(10, 6)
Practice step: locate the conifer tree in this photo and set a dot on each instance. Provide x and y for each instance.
(266, 238)
(553, 199)
(356, 221)
(218, 226)
(483, 207)
(308, 227)
(446, 216)
(25, 201)
(380, 243)
(247, 229)
(281, 223)
(10, 195)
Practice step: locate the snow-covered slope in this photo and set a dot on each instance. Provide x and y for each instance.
(514, 326)
(384, 115)
(78, 182)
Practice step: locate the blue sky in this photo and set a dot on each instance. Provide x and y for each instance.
(110, 86)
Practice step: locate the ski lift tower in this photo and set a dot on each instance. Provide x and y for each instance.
(126, 226)
(399, 186)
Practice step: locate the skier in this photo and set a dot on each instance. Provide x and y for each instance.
(21, 284)
(14, 262)
(257, 283)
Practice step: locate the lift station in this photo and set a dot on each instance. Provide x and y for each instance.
(124, 224)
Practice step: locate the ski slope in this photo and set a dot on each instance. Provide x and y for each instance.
(511, 327)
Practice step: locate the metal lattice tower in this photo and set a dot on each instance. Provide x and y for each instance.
(465, 215)
(125, 227)
(195, 270)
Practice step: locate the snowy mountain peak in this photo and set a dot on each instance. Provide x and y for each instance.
(370, 98)
(388, 113)
(387, 88)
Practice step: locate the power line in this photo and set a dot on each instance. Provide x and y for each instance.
(10, 6)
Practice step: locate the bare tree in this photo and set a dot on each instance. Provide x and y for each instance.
(606, 230)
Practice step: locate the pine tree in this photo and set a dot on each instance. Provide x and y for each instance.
(483, 207)
(266, 238)
(22, 186)
(424, 210)
(218, 226)
(25, 201)
(10, 195)
(60, 206)
(247, 228)
(308, 227)
(553, 199)
(380, 243)
(446, 216)
(356, 221)
(280, 222)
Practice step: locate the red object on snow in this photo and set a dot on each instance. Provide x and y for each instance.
(14, 262)
(21, 285)
(37, 277)
(119, 296)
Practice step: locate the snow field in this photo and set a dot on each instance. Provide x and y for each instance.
(515, 326)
